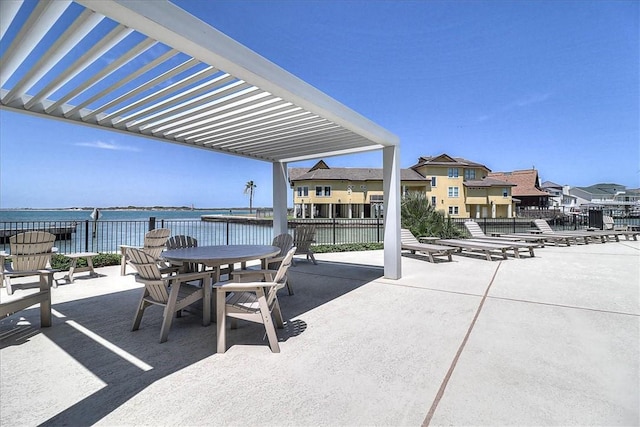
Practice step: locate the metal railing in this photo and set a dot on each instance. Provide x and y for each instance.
(107, 236)
(524, 225)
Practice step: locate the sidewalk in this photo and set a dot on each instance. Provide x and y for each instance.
(550, 340)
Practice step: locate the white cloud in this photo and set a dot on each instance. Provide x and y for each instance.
(106, 146)
(531, 99)
(524, 101)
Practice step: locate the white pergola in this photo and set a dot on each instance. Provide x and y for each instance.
(148, 68)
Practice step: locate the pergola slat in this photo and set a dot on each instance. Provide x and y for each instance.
(173, 78)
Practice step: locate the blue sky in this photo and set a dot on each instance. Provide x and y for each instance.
(510, 84)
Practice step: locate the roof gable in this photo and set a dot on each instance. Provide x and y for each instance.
(448, 161)
(320, 165)
(322, 172)
(526, 182)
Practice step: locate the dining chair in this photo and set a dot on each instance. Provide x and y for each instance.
(179, 242)
(30, 255)
(253, 300)
(173, 292)
(303, 237)
(284, 242)
(154, 243)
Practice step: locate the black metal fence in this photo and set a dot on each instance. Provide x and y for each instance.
(524, 225)
(107, 236)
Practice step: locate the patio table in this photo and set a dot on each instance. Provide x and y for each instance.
(216, 256)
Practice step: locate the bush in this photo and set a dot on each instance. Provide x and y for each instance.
(348, 247)
(61, 262)
(419, 216)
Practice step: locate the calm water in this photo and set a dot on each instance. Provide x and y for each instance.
(110, 215)
(117, 227)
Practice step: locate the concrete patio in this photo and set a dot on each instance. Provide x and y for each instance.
(550, 340)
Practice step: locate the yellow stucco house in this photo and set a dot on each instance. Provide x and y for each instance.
(456, 186)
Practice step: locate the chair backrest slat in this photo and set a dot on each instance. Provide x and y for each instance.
(474, 229)
(284, 242)
(145, 264)
(31, 250)
(543, 225)
(281, 274)
(406, 236)
(155, 241)
(303, 237)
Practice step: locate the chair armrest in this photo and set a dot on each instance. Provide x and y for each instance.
(253, 275)
(240, 287)
(188, 277)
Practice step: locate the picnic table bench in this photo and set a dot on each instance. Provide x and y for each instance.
(73, 268)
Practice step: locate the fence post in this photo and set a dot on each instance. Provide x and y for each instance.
(152, 223)
(378, 228)
(514, 224)
(334, 231)
(227, 223)
(86, 235)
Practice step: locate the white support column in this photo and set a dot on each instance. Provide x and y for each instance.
(391, 185)
(350, 210)
(509, 211)
(280, 190)
(312, 210)
(330, 210)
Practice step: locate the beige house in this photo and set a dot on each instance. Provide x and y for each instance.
(458, 187)
(324, 192)
(463, 189)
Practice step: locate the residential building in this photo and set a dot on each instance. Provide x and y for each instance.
(324, 192)
(527, 189)
(615, 198)
(463, 188)
(455, 186)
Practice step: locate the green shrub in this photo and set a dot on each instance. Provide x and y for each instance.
(419, 216)
(348, 247)
(61, 262)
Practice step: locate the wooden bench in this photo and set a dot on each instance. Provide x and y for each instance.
(429, 250)
(73, 268)
(43, 297)
(486, 248)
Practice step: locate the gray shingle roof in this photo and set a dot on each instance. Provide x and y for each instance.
(348, 174)
(446, 160)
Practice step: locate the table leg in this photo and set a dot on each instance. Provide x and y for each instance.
(123, 260)
(72, 269)
(92, 272)
(220, 321)
(206, 302)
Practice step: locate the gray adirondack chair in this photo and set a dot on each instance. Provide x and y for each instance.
(173, 292)
(253, 301)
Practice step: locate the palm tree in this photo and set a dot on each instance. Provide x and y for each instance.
(249, 189)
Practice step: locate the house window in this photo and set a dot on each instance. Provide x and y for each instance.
(470, 174)
(453, 210)
(433, 181)
(434, 200)
(505, 192)
(453, 172)
(453, 192)
(323, 191)
(303, 191)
